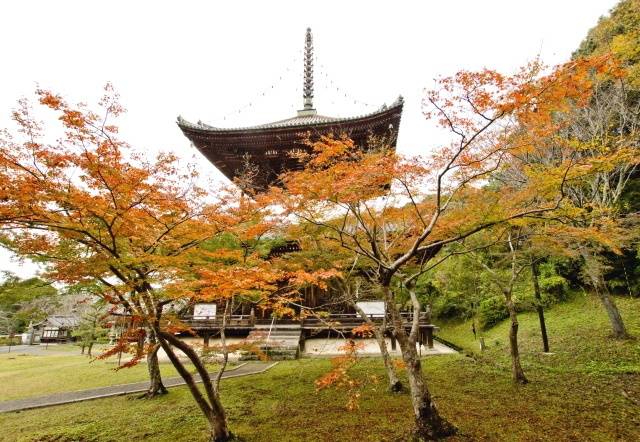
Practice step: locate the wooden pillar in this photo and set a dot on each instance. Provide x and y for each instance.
(206, 336)
(430, 337)
(302, 343)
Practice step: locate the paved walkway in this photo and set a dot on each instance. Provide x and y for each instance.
(38, 349)
(326, 347)
(69, 397)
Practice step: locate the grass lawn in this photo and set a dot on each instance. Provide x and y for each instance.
(584, 392)
(23, 375)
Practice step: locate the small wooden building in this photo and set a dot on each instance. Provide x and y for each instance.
(58, 328)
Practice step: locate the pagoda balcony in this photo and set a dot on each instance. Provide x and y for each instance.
(334, 321)
(216, 321)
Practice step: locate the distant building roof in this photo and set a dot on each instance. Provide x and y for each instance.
(62, 321)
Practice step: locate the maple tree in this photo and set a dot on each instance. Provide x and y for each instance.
(506, 286)
(396, 214)
(534, 253)
(340, 378)
(91, 328)
(619, 34)
(353, 291)
(243, 273)
(350, 286)
(97, 211)
(603, 137)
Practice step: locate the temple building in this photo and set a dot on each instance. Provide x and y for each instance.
(272, 147)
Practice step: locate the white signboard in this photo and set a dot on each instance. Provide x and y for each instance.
(372, 308)
(204, 311)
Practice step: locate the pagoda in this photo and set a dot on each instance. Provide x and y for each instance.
(274, 148)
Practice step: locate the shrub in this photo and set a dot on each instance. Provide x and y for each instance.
(5, 340)
(554, 288)
(449, 307)
(491, 311)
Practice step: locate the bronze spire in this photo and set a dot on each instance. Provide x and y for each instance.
(307, 90)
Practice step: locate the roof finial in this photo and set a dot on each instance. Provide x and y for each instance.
(307, 91)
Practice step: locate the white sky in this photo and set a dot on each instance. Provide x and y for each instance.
(208, 60)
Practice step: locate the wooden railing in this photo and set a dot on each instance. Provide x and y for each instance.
(233, 321)
(349, 320)
(334, 320)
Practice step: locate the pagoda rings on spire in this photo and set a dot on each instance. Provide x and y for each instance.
(307, 85)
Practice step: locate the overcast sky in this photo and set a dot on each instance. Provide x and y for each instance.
(236, 63)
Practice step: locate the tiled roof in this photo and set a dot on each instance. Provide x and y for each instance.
(62, 321)
(297, 121)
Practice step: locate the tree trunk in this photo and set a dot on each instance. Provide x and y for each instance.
(225, 349)
(617, 325)
(395, 385)
(592, 268)
(156, 387)
(429, 424)
(516, 368)
(536, 290)
(89, 348)
(211, 408)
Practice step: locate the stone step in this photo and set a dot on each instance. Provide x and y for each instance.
(273, 335)
(275, 342)
(278, 347)
(273, 338)
(277, 329)
(271, 343)
(278, 326)
(276, 355)
(252, 357)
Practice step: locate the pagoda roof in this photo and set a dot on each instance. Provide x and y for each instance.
(268, 150)
(309, 121)
(273, 147)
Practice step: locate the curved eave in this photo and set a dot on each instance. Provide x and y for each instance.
(271, 147)
(275, 128)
